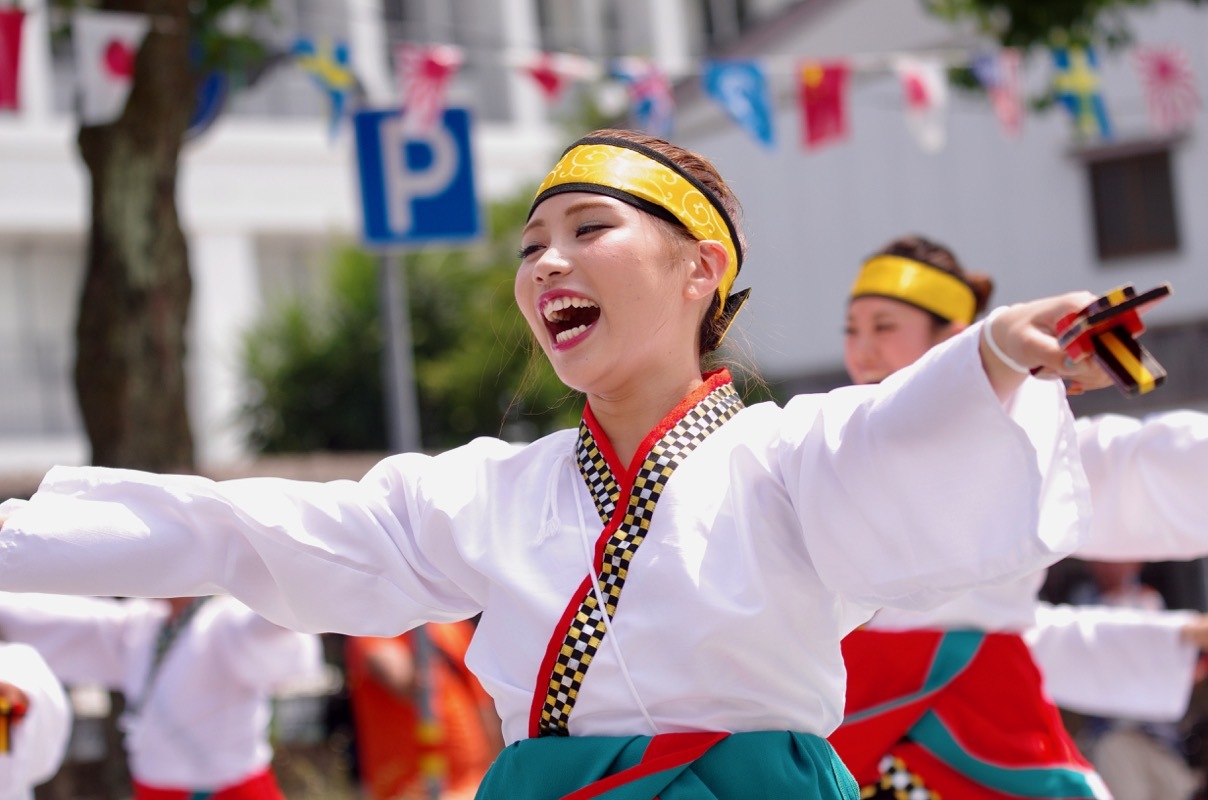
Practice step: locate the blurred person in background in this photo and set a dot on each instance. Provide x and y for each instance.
(424, 726)
(197, 675)
(35, 722)
(1140, 759)
(949, 702)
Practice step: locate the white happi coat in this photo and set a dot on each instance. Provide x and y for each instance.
(203, 720)
(783, 530)
(1146, 479)
(39, 740)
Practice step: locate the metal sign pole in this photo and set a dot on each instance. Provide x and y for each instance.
(402, 423)
(398, 367)
(408, 202)
(433, 764)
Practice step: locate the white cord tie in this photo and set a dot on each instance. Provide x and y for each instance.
(988, 336)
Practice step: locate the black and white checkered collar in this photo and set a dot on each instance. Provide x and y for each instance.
(701, 413)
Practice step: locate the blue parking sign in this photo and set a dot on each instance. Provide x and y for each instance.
(416, 188)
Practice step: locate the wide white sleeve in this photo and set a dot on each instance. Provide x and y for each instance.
(1115, 662)
(40, 738)
(373, 557)
(1148, 482)
(926, 485)
(81, 638)
(263, 655)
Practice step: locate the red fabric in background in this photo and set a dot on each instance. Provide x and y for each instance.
(10, 56)
(258, 787)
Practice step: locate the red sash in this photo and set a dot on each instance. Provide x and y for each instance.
(261, 786)
(667, 752)
(583, 626)
(964, 711)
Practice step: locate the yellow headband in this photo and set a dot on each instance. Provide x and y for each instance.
(930, 288)
(645, 178)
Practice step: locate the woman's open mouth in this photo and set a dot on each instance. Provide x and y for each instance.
(568, 317)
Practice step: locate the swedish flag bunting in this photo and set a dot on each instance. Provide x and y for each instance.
(328, 64)
(1077, 85)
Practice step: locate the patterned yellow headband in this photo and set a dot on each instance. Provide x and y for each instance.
(648, 180)
(930, 288)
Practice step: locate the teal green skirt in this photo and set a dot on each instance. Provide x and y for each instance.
(741, 766)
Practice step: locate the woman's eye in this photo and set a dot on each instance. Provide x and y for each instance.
(527, 251)
(589, 227)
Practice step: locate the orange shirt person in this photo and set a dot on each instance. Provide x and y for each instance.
(399, 755)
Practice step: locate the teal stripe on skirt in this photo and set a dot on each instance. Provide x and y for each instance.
(773, 764)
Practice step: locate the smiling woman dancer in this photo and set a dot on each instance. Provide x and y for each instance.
(663, 590)
(948, 702)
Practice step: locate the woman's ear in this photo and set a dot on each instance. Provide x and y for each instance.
(706, 268)
(948, 331)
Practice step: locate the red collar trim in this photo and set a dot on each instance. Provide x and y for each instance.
(624, 475)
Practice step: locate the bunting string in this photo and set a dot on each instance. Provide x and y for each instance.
(749, 91)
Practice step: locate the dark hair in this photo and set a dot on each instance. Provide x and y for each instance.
(713, 327)
(919, 248)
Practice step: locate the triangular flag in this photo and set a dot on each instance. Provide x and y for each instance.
(216, 86)
(554, 71)
(925, 92)
(741, 88)
(1077, 85)
(212, 93)
(998, 73)
(1170, 91)
(327, 63)
(650, 98)
(105, 45)
(824, 101)
(10, 56)
(424, 73)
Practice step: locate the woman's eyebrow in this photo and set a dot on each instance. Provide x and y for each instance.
(586, 204)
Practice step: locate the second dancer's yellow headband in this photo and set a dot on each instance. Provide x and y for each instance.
(922, 285)
(650, 181)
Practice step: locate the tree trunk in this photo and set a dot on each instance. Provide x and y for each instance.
(133, 311)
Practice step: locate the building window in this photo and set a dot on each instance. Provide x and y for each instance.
(1132, 196)
(725, 21)
(39, 283)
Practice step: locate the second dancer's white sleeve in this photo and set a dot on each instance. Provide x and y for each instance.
(1115, 662)
(1149, 486)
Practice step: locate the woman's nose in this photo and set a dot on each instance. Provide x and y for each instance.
(862, 344)
(551, 263)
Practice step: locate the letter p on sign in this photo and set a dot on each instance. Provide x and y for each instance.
(416, 188)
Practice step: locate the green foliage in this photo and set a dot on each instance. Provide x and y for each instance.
(316, 363)
(222, 28)
(316, 367)
(1026, 24)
